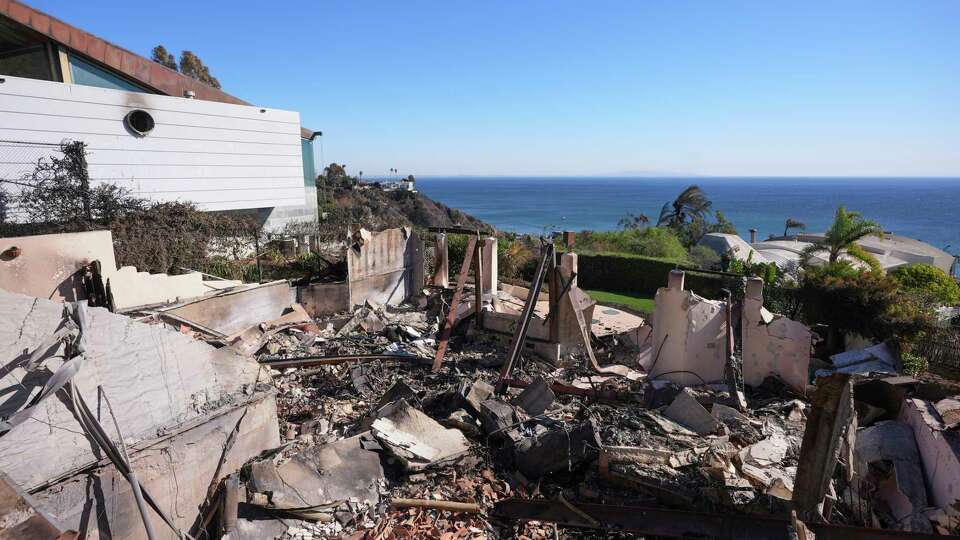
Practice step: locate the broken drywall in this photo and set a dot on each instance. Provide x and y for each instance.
(384, 267)
(154, 378)
(689, 333)
(773, 344)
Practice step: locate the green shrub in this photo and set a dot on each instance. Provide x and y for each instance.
(929, 281)
(704, 257)
(649, 242)
(914, 365)
(867, 303)
(631, 274)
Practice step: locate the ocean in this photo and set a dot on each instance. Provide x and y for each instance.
(921, 208)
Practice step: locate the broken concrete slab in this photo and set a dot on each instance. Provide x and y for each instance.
(535, 398)
(20, 518)
(689, 335)
(769, 452)
(321, 478)
(178, 468)
(902, 487)
(417, 440)
(236, 310)
(773, 344)
(154, 377)
(688, 412)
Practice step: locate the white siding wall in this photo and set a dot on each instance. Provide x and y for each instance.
(218, 155)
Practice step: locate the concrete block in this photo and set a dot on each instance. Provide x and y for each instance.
(155, 378)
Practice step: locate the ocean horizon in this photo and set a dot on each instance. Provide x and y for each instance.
(921, 208)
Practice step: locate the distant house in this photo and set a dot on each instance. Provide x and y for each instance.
(163, 135)
(891, 251)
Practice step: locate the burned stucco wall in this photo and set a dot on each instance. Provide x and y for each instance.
(384, 267)
(688, 335)
(46, 265)
(773, 344)
(155, 379)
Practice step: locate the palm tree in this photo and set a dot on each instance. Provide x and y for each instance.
(692, 204)
(793, 224)
(842, 236)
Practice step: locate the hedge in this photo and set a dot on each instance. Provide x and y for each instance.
(624, 273)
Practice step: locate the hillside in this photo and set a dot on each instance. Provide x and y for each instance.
(378, 209)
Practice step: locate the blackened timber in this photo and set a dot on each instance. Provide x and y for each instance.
(329, 360)
(519, 337)
(828, 421)
(452, 314)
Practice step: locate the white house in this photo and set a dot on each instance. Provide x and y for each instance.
(148, 128)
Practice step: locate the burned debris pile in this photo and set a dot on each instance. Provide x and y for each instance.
(388, 406)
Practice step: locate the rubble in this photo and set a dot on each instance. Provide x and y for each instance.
(249, 414)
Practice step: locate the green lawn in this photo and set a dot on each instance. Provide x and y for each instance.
(638, 302)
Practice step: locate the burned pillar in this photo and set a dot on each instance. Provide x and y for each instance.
(441, 272)
(568, 269)
(489, 269)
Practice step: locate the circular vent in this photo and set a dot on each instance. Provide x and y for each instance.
(139, 121)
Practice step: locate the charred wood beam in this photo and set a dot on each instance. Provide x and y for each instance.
(828, 421)
(516, 346)
(444, 340)
(333, 359)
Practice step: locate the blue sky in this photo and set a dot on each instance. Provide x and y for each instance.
(576, 88)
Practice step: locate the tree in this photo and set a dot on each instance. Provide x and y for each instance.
(723, 225)
(690, 205)
(193, 67)
(633, 221)
(162, 57)
(793, 224)
(842, 236)
(929, 281)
